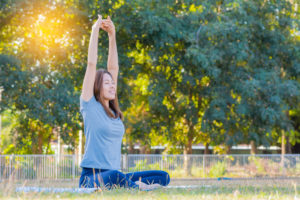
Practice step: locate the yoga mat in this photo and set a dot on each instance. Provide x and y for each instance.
(91, 190)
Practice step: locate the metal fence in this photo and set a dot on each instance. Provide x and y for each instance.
(20, 167)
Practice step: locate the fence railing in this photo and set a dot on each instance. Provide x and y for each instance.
(20, 167)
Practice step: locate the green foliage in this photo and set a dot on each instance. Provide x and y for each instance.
(294, 135)
(7, 121)
(213, 72)
(179, 172)
(258, 163)
(218, 169)
(242, 48)
(141, 165)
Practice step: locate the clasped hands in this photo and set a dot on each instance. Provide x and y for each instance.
(106, 25)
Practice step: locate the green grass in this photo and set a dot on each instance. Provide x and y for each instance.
(199, 193)
(219, 190)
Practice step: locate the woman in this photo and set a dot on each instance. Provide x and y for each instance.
(103, 126)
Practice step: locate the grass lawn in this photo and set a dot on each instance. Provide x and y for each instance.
(205, 189)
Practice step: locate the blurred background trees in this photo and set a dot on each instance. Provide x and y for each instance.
(220, 73)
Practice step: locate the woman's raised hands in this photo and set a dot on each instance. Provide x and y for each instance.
(105, 24)
(108, 26)
(98, 23)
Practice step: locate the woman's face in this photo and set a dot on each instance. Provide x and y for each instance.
(109, 87)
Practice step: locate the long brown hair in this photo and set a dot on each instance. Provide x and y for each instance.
(113, 104)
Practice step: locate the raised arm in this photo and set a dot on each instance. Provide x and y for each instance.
(112, 61)
(89, 77)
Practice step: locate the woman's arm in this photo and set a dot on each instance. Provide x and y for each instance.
(112, 61)
(89, 78)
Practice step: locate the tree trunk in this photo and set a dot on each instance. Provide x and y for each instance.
(253, 147)
(206, 150)
(40, 143)
(39, 151)
(48, 145)
(187, 159)
(228, 149)
(145, 149)
(130, 148)
(142, 149)
(59, 144)
(288, 145)
(283, 147)
(205, 158)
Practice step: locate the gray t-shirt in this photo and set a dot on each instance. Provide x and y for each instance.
(103, 136)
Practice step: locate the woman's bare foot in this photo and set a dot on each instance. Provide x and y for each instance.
(144, 186)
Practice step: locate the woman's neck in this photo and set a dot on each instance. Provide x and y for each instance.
(106, 102)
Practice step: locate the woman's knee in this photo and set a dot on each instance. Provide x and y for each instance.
(113, 176)
(87, 182)
(166, 178)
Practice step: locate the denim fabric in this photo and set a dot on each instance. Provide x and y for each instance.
(91, 178)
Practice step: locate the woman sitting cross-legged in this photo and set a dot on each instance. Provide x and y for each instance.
(103, 126)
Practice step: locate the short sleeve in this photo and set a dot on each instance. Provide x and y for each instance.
(85, 104)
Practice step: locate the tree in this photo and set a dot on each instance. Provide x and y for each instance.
(252, 57)
(216, 72)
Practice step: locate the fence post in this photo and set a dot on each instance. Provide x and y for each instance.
(10, 160)
(56, 165)
(125, 163)
(9, 164)
(161, 162)
(0, 168)
(283, 165)
(73, 167)
(203, 159)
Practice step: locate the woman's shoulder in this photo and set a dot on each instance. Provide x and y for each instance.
(87, 102)
(92, 98)
(91, 105)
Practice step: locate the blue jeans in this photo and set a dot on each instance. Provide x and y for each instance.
(91, 178)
